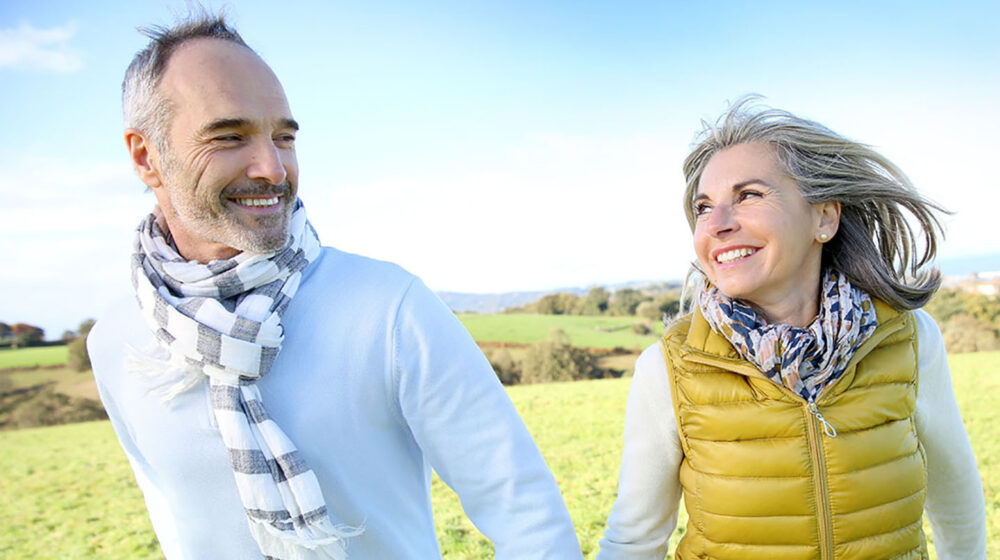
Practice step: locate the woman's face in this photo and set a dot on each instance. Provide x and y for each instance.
(756, 237)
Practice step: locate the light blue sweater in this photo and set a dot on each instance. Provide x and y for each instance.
(377, 383)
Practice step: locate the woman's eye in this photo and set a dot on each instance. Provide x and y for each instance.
(701, 209)
(749, 193)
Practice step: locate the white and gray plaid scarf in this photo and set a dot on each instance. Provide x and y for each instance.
(223, 320)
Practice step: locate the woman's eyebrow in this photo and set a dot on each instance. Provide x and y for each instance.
(737, 187)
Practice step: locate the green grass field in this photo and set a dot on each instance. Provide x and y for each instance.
(67, 491)
(594, 332)
(36, 356)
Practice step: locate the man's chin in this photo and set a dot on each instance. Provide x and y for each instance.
(270, 244)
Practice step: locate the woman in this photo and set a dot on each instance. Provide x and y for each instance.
(804, 405)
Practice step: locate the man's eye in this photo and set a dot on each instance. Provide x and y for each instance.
(285, 138)
(228, 138)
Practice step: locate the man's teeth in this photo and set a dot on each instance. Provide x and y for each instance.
(257, 201)
(730, 256)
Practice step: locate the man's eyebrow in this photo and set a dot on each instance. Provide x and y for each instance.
(224, 124)
(228, 124)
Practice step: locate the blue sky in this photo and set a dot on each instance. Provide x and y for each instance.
(490, 146)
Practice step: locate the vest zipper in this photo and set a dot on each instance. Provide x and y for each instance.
(819, 471)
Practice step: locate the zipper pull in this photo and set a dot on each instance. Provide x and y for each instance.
(828, 428)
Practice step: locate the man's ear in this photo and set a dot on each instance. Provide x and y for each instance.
(144, 157)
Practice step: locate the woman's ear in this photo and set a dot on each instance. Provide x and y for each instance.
(828, 220)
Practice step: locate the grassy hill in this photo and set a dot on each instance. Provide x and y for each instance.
(64, 499)
(525, 328)
(35, 356)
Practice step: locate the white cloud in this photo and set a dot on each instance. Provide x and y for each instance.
(39, 49)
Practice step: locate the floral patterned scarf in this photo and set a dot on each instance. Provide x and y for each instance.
(805, 360)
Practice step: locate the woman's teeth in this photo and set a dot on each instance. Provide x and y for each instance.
(730, 256)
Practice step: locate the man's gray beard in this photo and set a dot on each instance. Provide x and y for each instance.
(231, 233)
(228, 230)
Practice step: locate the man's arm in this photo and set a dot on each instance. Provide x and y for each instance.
(108, 356)
(469, 430)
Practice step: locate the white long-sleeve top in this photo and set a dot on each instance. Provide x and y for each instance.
(376, 384)
(645, 513)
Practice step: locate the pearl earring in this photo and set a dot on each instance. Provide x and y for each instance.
(824, 236)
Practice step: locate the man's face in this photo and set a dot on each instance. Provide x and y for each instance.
(229, 176)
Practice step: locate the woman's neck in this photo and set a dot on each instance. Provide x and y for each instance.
(798, 310)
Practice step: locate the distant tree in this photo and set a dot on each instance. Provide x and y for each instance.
(85, 326)
(965, 333)
(669, 304)
(5, 331)
(594, 303)
(79, 358)
(625, 301)
(68, 335)
(26, 335)
(948, 302)
(556, 304)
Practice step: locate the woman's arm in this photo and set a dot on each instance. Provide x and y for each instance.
(955, 504)
(645, 512)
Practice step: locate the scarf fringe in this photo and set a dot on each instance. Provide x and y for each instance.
(286, 546)
(155, 362)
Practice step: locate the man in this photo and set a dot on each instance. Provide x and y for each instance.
(276, 398)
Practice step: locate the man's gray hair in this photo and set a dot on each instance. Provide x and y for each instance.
(144, 106)
(876, 246)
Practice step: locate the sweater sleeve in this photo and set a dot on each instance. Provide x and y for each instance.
(645, 512)
(955, 503)
(470, 432)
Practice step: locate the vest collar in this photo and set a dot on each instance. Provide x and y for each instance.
(705, 346)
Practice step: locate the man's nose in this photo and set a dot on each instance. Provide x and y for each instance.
(266, 163)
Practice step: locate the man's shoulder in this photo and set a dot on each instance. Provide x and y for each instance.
(118, 326)
(116, 319)
(352, 272)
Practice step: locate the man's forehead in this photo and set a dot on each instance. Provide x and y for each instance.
(222, 76)
(205, 63)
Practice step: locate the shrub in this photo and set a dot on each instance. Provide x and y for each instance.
(506, 368)
(649, 310)
(556, 360)
(79, 359)
(46, 407)
(642, 328)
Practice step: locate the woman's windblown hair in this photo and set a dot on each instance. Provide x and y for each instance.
(877, 247)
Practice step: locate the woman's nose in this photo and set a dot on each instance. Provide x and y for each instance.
(721, 221)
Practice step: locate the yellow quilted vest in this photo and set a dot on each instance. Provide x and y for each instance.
(762, 481)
